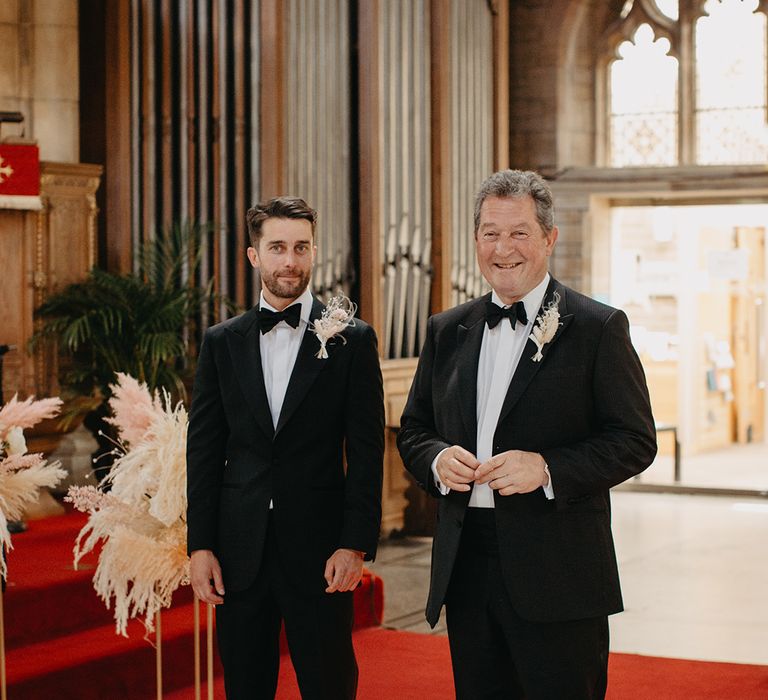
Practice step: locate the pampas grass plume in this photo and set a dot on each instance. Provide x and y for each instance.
(141, 522)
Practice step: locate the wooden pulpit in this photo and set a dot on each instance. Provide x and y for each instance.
(44, 246)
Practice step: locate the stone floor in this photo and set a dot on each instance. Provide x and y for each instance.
(694, 573)
(734, 467)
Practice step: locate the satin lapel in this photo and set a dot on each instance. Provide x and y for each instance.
(469, 338)
(305, 370)
(243, 342)
(527, 368)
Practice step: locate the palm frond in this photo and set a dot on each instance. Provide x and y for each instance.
(135, 324)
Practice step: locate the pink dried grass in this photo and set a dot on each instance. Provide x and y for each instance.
(141, 522)
(22, 475)
(27, 413)
(133, 408)
(21, 478)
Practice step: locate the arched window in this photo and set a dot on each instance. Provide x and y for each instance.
(731, 83)
(686, 83)
(643, 122)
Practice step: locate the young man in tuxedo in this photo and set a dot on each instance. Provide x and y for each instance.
(278, 525)
(521, 441)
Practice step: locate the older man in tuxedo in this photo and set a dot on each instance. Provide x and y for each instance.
(278, 525)
(527, 406)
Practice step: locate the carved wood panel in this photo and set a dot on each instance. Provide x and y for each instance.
(398, 375)
(43, 251)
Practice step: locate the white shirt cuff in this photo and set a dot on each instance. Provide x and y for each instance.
(549, 491)
(441, 487)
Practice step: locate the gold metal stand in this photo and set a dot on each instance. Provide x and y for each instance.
(209, 649)
(3, 689)
(197, 648)
(159, 655)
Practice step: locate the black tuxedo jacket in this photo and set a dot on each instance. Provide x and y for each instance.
(237, 461)
(584, 407)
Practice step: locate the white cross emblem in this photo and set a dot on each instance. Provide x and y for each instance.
(5, 171)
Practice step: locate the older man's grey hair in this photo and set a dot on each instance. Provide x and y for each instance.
(519, 183)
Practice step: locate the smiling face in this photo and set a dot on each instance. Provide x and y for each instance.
(512, 249)
(284, 257)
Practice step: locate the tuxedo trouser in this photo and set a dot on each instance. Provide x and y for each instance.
(318, 629)
(497, 654)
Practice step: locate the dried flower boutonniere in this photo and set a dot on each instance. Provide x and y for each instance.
(339, 313)
(546, 326)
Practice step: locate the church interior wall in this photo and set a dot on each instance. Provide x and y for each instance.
(553, 47)
(39, 73)
(554, 50)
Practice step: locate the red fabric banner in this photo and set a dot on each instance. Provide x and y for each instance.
(19, 169)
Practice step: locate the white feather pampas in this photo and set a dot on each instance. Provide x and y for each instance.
(142, 520)
(22, 475)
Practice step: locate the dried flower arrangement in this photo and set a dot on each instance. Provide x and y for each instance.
(21, 474)
(141, 521)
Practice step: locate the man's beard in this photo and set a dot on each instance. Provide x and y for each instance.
(284, 289)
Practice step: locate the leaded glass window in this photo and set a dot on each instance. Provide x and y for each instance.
(644, 122)
(669, 8)
(731, 83)
(687, 83)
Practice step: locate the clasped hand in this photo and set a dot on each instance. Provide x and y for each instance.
(513, 471)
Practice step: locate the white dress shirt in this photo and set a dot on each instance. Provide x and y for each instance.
(500, 354)
(279, 348)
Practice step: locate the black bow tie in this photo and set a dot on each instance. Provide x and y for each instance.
(269, 319)
(494, 314)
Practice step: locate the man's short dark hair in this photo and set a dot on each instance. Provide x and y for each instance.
(519, 183)
(277, 208)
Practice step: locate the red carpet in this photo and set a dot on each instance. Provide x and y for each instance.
(406, 666)
(650, 678)
(60, 638)
(61, 644)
